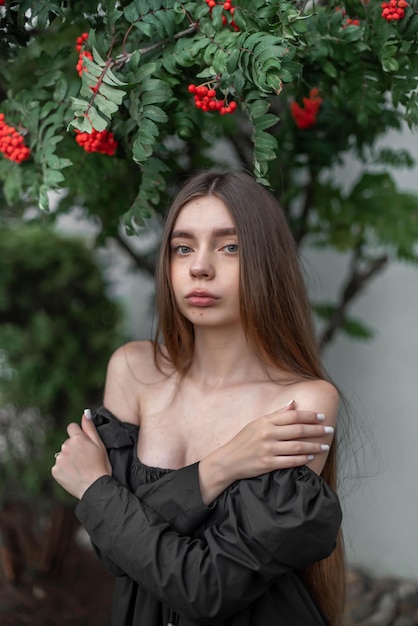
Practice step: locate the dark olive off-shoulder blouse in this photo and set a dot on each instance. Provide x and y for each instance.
(177, 561)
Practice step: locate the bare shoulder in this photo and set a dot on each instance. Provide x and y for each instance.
(135, 357)
(320, 396)
(130, 368)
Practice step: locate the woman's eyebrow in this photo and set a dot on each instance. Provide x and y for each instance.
(217, 232)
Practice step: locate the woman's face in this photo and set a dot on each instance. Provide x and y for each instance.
(204, 263)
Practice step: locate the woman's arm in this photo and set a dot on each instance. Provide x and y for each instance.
(274, 523)
(283, 439)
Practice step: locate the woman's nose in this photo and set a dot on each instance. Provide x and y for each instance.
(201, 267)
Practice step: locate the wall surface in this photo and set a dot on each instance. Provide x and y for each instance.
(380, 380)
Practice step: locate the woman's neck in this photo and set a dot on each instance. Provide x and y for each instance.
(223, 356)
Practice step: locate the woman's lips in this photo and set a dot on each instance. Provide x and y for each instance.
(201, 298)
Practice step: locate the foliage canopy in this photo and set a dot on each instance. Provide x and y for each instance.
(58, 328)
(141, 56)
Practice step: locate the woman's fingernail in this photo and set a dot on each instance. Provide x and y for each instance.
(87, 414)
(328, 429)
(289, 403)
(320, 416)
(310, 457)
(324, 447)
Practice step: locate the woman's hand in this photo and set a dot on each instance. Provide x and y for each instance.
(279, 440)
(83, 458)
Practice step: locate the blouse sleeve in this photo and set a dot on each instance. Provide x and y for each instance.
(274, 523)
(177, 498)
(176, 494)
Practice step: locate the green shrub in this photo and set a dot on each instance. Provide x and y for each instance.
(58, 328)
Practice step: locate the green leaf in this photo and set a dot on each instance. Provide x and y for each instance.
(97, 120)
(146, 70)
(356, 329)
(52, 177)
(98, 59)
(330, 69)
(154, 97)
(12, 187)
(43, 200)
(46, 109)
(145, 28)
(107, 107)
(265, 121)
(80, 105)
(115, 95)
(130, 13)
(148, 128)
(232, 61)
(258, 108)
(81, 123)
(156, 114)
(208, 72)
(285, 75)
(390, 64)
(141, 151)
(111, 79)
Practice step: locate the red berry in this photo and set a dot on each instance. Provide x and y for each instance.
(102, 142)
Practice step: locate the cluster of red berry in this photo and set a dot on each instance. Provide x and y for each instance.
(393, 10)
(305, 116)
(348, 21)
(227, 6)
(12, 143)
(82, 53)
(205, 99)
(97, 141)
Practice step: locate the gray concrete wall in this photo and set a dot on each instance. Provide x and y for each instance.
(380, 380)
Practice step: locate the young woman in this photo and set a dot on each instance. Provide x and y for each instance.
(211, 495)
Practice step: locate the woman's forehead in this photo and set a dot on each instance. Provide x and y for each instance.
(206, 212)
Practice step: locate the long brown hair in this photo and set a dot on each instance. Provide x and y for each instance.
(275, 313)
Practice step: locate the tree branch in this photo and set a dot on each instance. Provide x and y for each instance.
(307, 205)
(141, 263)
(123, 58)
(355, 283)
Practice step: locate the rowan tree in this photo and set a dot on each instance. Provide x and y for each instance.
(112, 103)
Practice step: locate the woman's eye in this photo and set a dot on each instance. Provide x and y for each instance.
(181, 250)
(231, 248)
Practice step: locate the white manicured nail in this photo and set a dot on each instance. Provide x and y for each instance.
(324, 447)
(310, 457)
(328, 429)
(320, 416)
(87, 414)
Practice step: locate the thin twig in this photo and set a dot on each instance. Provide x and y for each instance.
(141, 262)
(125, 57)
(354, 284)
